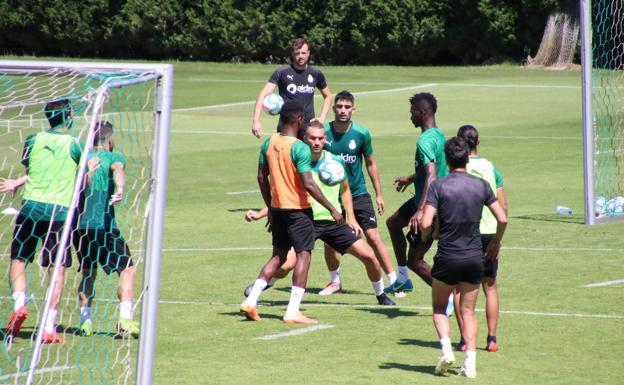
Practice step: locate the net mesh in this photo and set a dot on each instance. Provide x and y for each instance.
(108, 354)
(559, 42)
(608, 105)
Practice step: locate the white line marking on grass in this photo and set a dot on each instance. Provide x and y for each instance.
(295, 332)
(367, 306)
(606, 283)
(217, 249)
(238, 104)
(37, 371)
(242, 192)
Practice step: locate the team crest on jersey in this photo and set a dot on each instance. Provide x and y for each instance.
(352, 144)
(310, 79)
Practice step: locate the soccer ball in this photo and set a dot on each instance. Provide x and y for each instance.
(272, 104)
(331, 172)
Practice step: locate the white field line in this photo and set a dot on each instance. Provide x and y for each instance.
(238, 104)
(501, 137)
(356, 306)
(368, 306)
(449, 84)
(242, 192)
(295, 332)
(606, 283)
(37, 371)
(261, 248)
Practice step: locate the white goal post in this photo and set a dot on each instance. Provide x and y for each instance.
(602, 43)
(102, 90)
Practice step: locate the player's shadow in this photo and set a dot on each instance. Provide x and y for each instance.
(76, 331)
(573, 219)
(424, 344)
(316, 290)
(243, 210)
(429, 369)
(242, 318)
(390, 312)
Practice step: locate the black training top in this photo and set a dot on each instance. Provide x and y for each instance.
(459, 199)
(299, 85)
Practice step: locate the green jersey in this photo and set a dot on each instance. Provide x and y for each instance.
(429, 148)
(485, 170)
(95, 209)
(51, 158)
(332, 193)
(351, 146)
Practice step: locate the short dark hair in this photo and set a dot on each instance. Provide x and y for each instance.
(456, 151)
(290, 111)
(58, 112)
(470, 134)
(103, 131)
(424, 100)
(298, 43)
(344, 95)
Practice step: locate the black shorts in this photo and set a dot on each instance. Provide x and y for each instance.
(415, 241)
(292, 228)
(490, 266)
(106, 247)
(454, 270)
(364, 211)
(338, 237)
(28, 232)
(408, 208)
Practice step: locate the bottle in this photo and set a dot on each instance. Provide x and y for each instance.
(562, 210)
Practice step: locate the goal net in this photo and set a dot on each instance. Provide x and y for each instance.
(603, 83)
(559, 42)
(83, 167)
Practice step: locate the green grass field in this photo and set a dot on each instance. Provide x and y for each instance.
(552, 330)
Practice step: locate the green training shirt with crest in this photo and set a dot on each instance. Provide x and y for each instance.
(429, 148)
(351, 145)
(96, 212)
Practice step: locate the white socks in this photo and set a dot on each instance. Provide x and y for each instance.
(49, 323)
(334, 276)
(403, 274)
(85, 314)
(447, 349)
(378, 287)
(296, 295)
(470, 360)
(125, 310)
(392, 277)
(19, 298)
(256, 290)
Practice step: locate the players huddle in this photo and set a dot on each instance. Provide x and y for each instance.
(51, 160)
(459, 201)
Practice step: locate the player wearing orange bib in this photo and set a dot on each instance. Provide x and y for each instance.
(285, 180)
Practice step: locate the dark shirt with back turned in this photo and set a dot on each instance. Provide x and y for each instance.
(459, 199)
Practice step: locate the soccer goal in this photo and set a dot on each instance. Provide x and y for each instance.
(89, 143)
(602, 38)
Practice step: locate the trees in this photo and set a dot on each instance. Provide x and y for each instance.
(340, 31)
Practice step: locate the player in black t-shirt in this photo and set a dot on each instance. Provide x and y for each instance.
(458, 200)
(296, 81)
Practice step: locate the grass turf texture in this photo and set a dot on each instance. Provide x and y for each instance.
(530, 125)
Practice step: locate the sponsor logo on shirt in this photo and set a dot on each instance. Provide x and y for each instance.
(290, 77)
(351, 159)
(329, 142)
(302, 89)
